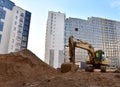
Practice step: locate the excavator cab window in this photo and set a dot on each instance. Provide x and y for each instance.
(103, 56)
(98, 55)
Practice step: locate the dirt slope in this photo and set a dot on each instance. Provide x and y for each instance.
(21, 67)
(24, 69)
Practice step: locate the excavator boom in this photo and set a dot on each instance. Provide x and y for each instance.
(82, 45)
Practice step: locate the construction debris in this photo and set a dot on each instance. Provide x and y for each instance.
(25, 69)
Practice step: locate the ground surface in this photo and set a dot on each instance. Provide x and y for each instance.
(24, 69)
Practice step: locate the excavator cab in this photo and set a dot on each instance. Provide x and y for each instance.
(99, 56)
(99, 62)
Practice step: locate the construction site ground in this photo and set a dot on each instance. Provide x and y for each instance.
(25, 69)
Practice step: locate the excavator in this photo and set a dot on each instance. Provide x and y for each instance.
(96, 60)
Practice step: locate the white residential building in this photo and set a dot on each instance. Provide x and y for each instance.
(14, 27)
(54, 48)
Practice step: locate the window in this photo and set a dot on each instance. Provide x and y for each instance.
(27, 22)
(2, 1)
(16, 17)
(81, 26)
(76, 29)
(28, 18)
(26, 28)
(24, 38)
(18, 38)
(11, 46)
(17, 11)
(25, 33)
(15, 22)
(1, 26)
(0, 38)
(22, 14)
(1, 12)
(21, 19)
(19, 31)
(12, 40)
(14, 28)
(17, 44)
(24, 44)
(1, 6)
(20, 25)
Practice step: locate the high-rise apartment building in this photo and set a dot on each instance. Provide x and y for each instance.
(101, 33)
(54, 48)
(14, 27)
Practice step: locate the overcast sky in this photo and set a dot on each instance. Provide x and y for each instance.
(109, 9)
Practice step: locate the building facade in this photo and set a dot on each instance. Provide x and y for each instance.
(100, 33)
(54, 47)
(14, 27)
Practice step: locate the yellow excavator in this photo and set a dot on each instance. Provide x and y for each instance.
(96, 60)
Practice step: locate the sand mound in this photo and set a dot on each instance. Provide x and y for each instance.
(24, 69)
(19, 67)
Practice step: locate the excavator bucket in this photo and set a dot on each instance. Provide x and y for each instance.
(66, 67)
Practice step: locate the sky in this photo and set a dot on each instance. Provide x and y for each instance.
(109, 9)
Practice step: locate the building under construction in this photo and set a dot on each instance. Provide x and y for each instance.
(101, 33)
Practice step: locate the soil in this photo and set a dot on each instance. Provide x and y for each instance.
(25, 69)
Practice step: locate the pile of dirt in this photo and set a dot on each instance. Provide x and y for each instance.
(21, 67)
(24, 69)
(79, 79)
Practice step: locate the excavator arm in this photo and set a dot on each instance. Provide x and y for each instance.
(82, 45)
(71, 49)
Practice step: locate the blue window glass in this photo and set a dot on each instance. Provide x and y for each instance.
(8, 4)
(0, 38)
(26, 28)
(25, 33)
(1, 26)
(2, 13)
